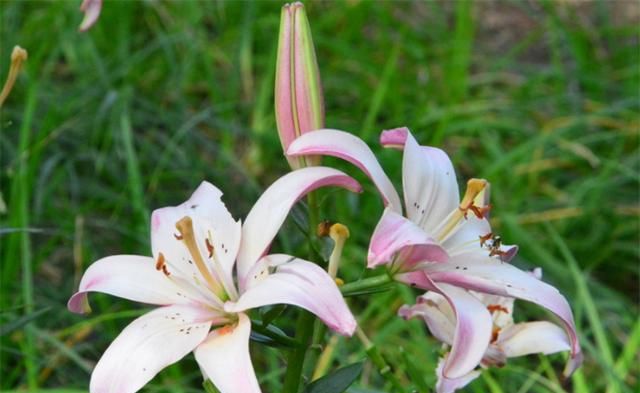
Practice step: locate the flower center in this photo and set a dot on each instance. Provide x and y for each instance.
(185, 228)
(473, 200)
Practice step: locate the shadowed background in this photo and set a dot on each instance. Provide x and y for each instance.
(541, 98)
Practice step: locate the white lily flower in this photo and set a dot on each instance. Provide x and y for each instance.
(442, 243)
(508, 339)
(195, 247)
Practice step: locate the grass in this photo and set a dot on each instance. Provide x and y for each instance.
(541, 98)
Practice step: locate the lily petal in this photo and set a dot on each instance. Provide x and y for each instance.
(533, 337)
(394, 138)
(225, 360)
(450, 385)
(130, 277)
(300, 283)
(472, 334)
(350, 148)
(267, 215)
(149, 344)
(436, 312)
(495, 277)
(394, 233)
(91, 9)
(430, 186)
(217, 236)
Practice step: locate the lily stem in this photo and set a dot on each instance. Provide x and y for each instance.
(306, 320)
(366, 284)
(381, 364)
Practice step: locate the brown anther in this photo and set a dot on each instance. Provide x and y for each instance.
(209, 247)
(165, 271)
(160, 261)
(494, 334)
(480, 212)
(323, 229)
(497, 252)
(178, 237)
(496, 307)
(485, 238)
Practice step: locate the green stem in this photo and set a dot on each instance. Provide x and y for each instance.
(381, 364)
(305, 324)
(366, 284)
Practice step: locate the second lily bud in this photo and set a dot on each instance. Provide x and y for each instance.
(299, 101)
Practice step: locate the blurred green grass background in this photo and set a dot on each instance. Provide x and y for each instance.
(541, 98)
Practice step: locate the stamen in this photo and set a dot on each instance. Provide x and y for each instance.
(496, 307)
(185, 227)
(475, 187)
(494, 334)
(18, 56)
(209, 247)
(161, 265)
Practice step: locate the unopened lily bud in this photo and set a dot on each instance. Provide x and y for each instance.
(299, 101)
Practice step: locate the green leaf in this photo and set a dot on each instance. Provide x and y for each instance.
(271, 335)
(336, 382)
(18, 323)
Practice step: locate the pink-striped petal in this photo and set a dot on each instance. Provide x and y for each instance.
(395, 234)
(130, 277)
(533, 337)
(394, 138)
(267, 215)
(299, 283)
(224, 358)
(472, 333)
(436, 312)
(149, 344)
(429, 183)
(348, 147)
(499, 278)
(450, 385)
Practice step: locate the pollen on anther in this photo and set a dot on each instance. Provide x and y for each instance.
(178, 237)
(209, 247)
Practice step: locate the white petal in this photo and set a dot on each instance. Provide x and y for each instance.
(350, 148)
(267, 215)
(149, 344)
(430, 186)
(533, 337)
(212, 223)
(450, 385)
(300, 283)
(396, 234)
(130, 277)
(472, 334)
(436, 312)
(225, 360)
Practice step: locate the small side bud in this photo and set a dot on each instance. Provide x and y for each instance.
(18, 56)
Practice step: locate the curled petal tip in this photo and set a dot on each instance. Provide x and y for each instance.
(79, 304)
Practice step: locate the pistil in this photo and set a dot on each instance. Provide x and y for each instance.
(185, 227)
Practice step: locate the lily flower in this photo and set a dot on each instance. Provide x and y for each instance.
(195, 248)
(442, 243)
(508, 339)
(91, 9)
(299, 101)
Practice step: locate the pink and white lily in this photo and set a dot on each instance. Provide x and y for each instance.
(442, 243)
(508, 339)
(195, 247)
